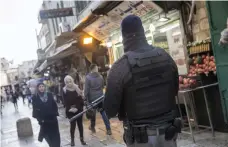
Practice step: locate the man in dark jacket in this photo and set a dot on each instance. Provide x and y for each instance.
(141, 89)
(94, 84)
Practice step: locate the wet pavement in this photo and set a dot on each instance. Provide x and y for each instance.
(9, 136)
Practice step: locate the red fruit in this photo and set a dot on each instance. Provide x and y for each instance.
(203, 56)
(180, 79)
(212, 58)
(208, 58)
(204, 60)
(199, 70)
(209, 69)
(213, 64)
(185, 81)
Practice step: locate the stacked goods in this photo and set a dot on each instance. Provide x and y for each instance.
(201, 64)
(185, 83)
(199, 47)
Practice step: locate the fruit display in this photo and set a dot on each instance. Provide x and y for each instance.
(201, 64)
(185, 83)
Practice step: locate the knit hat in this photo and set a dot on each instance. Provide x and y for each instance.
(39, 83)
(132, 26)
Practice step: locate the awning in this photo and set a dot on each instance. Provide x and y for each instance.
(93, 12)
(38, 64)
(63, 54)
(65, 51)
(104, 26)
(44, 65)
(65, 37)
(64, 46)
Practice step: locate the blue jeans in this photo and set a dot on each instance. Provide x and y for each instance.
(105, 119)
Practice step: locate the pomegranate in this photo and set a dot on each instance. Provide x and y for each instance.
(212, 58)
(185, 81)
(204, 60)
(180, 79)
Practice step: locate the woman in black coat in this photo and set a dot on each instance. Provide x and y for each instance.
(45, 110)
(14, 96)
(73, 102)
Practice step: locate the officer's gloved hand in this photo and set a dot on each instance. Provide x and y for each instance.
(100, 109)
(177, 123)
(40, 122)
(86, 103)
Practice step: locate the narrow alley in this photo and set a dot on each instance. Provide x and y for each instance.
(9, 136)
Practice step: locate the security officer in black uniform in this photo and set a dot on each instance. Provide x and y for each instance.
(141, 89)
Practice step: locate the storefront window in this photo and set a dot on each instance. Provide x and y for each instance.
(118, 51)
(164, 34)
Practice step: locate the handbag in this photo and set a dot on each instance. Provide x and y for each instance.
(73, 109)
(90, 113)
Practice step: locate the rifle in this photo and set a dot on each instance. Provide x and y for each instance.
(92, 105)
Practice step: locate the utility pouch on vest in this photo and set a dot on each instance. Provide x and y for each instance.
(128, 136)
(140, 134)
(173, 129)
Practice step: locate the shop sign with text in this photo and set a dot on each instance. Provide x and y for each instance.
(103, 27)
(53, 13)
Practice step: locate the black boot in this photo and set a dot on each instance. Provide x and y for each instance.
(72, 142)
(109, 132)
(93, 130)
(82, 141)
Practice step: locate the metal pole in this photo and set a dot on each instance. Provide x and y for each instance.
(38, 43)
(208, 113)
(188, 116)
(93, 104)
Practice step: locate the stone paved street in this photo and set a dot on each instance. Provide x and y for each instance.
(9, 133)
(9, 136)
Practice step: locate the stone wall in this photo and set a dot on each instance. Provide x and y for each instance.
(200, 22)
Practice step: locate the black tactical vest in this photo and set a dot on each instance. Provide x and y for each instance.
(150, 91)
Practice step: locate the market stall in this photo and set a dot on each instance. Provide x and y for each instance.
(199, 91)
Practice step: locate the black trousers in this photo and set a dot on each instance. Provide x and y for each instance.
(73, 127)
(51, 134)
(15, 104)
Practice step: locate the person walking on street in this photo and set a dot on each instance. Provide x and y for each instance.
(141, 89)
(32, 83)
(14, 97)
(94, 84)
(45, 110)
(28, 96)
(74, 103)
(23, 93)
